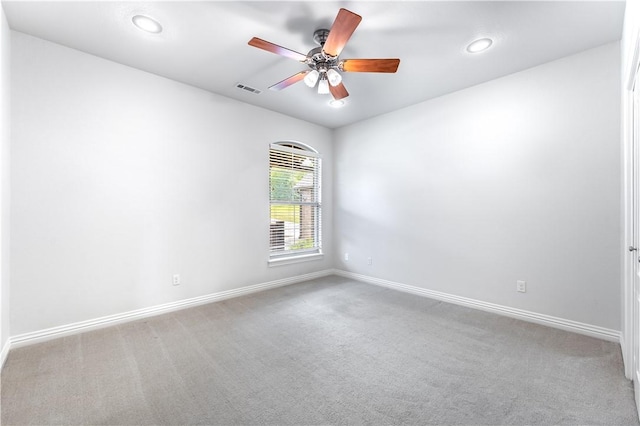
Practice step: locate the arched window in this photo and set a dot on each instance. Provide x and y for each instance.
(294, 198)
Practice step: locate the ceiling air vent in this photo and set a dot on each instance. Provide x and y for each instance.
(249, 89)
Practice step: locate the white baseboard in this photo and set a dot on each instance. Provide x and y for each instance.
(93, 324)
(555, 322)
(4, 353)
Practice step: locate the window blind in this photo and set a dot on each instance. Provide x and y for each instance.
(294, 197)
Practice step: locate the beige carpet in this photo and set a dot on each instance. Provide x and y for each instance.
(328, 351)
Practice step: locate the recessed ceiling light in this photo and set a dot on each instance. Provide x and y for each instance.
(336, 103)
(147, 24)
(479, 45)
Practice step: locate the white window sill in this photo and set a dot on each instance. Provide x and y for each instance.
(295, 259)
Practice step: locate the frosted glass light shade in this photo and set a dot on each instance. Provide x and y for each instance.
(334, 77)
(323, 87)
(311, 78)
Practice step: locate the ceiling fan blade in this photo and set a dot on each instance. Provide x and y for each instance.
(340, 32)
(339, 91)
(278, 50)
(289, 81)
(370, 65)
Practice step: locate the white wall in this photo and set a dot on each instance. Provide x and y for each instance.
(5, 135)
(121, 178)
(514, 179)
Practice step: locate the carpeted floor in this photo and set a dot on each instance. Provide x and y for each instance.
(328, 351)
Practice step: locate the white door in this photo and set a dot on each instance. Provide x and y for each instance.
(635, 192)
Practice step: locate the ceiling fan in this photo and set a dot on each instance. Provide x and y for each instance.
(324, 62)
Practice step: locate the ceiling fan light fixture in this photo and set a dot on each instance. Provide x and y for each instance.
(311, 78)
(323, 86)
(334, 77)
(325, 66)
(479, 45)
(336, 103)
(147, 24)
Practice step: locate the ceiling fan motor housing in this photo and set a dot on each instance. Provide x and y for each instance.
(316, 58)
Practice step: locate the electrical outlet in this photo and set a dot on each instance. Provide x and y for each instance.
(346, 256)
(521, 286)
(369, 261)
(176, 279)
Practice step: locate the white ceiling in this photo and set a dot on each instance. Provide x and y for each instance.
(204, 44)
